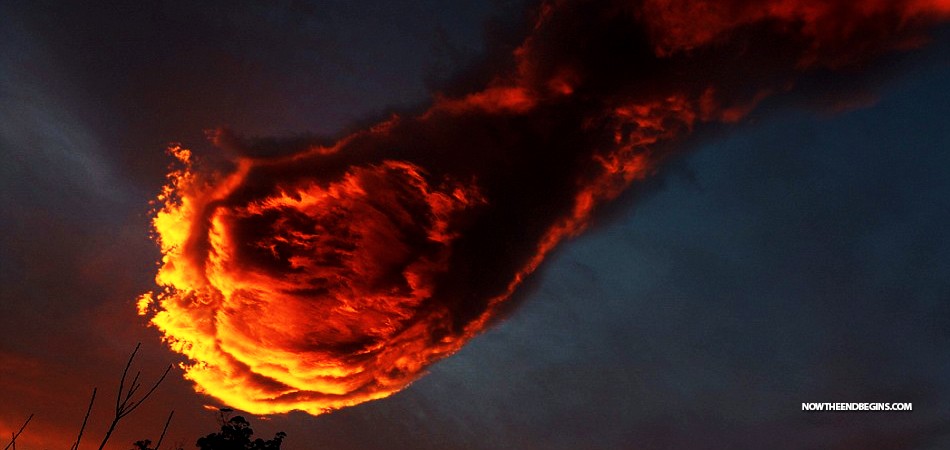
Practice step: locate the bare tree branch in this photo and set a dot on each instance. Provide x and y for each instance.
(126, 404)
(84, 420)
(13, 440)
(134, 386)
(125, 372)
(129, 407)
(160, 438)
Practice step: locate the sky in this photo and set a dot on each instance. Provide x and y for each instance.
(798, 255)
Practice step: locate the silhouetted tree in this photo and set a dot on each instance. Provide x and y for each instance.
(236, 434)
(146, 444)
(142, 445)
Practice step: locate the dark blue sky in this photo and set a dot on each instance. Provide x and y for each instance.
(801, 256)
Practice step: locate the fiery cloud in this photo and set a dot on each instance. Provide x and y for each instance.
(336, 274)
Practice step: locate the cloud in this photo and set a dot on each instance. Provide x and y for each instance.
(329, 274)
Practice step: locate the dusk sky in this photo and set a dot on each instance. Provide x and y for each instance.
(794, 251)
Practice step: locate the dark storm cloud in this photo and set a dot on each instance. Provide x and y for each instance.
(704, 317)
(717, 317)
(305, 254)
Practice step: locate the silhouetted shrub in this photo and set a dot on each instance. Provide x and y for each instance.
(146, 444)
(236, 434)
